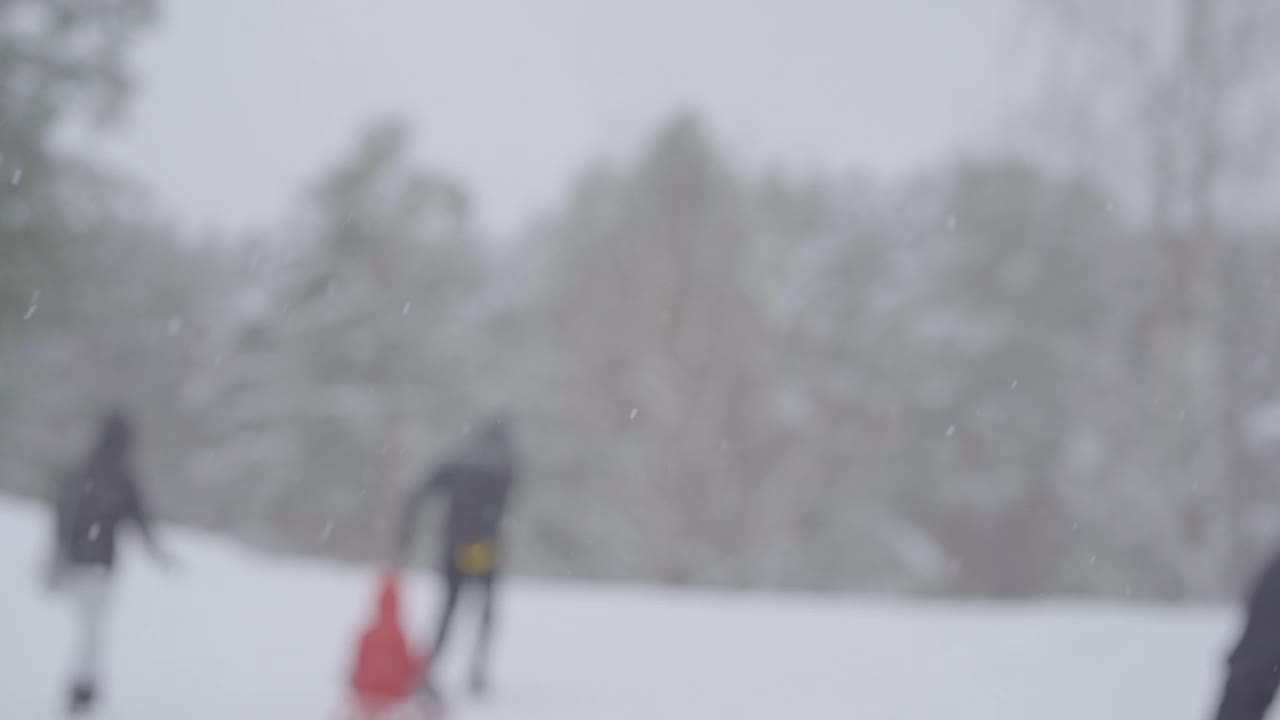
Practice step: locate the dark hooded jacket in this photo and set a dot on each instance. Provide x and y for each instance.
(94, 501)
(477, 484)
(1253, 668)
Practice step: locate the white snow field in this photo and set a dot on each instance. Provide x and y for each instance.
(237, 636)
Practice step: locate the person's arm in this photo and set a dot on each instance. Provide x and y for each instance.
(139, 512)
(53, 488)
(55, 495)
(60, 539)
(137, 509)
(513, 484)
(413, 507)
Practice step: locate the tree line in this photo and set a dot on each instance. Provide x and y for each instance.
(1009, 375)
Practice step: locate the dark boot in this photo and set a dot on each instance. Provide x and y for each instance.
(81, 699)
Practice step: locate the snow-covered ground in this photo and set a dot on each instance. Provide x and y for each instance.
(235, 636)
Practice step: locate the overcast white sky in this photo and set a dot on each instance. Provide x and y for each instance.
(241, 101)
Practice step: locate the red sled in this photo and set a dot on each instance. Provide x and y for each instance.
(387, 673)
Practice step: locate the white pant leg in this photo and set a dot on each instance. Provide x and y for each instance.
(88, 587)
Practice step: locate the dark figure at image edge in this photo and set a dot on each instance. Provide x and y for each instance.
(90, 505)
(476, 484)
(1253, 668)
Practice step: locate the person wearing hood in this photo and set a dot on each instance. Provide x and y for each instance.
(90, 505)
(476, 485)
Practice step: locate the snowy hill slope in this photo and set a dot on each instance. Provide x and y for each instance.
(232, 635)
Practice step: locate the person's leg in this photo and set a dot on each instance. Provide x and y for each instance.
(484, 640)
(89, 586)
(453, 588)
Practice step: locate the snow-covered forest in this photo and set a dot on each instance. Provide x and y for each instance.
(1044, 366)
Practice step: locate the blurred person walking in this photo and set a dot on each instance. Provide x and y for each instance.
(90, 505)
(477, 484)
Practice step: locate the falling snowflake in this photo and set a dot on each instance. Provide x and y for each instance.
(17, 176)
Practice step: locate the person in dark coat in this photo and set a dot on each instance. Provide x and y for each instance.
(1253, 667)
(90, 505)
(477, 484)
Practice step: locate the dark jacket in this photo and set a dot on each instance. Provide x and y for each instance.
(1253, 668)
(94, 501)
(477, 484)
